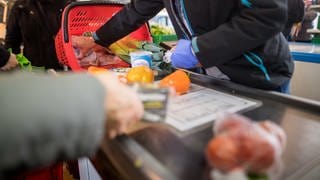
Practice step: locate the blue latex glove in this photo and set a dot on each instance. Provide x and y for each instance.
(182, 56)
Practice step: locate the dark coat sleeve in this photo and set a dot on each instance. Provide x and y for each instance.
(295, 15)
(13, 38)
(45, 119)
(249, 29)
(295, 11)
(130, 18)
(4, 56)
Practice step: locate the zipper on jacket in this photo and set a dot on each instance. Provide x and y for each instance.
(257, 61)
(179, 21)
(185, 18)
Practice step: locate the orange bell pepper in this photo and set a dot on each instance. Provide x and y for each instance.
(179, 80)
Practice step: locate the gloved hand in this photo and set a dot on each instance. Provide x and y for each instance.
(182, 56)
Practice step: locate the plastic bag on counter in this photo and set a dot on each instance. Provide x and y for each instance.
(240, 144)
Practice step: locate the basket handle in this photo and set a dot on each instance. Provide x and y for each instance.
(81, 3)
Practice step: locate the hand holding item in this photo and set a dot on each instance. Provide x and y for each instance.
(183, 55)
(295, 31)
(122, 104)
(85, 45)
(12, 63)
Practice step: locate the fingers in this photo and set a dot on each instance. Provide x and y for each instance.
(12, 63)
(123, 106)
(82, 45)
(76, 41)
(122, 120)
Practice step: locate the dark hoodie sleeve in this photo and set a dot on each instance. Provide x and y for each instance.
(13, 32)
(295, 11)
(252, 27)
(4, 56)
(130, 18)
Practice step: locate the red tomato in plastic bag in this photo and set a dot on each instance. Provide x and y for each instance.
(222, 153)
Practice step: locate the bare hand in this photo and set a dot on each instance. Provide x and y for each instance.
(12, 63)
(123, 105)
(295, 31)
(307, 3)
(85, 45)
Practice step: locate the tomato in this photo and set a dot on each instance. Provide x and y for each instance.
(256, 151)
(140, 74)
(179, 80)
(222, 153)
(231, 122)
(276, 131)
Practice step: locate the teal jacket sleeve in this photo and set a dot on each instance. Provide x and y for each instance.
(44, 118)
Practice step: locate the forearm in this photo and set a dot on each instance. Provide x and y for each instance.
(130, 18)
(13, 37)
(44, 119)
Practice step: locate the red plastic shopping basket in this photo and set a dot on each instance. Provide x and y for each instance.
(53, 172)
(80, 17)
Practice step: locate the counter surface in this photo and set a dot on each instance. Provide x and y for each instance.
(306, 52)
(157, 150)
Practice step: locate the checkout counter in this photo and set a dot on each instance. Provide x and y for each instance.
(307, 70)
(159, 151)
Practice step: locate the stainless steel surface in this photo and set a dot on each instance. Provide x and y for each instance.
(182, 154)
(304, 47)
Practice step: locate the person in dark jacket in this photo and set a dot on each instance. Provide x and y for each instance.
(295, 15)
(33, 24)
(8, 60)
(300, 33)
(239, 40)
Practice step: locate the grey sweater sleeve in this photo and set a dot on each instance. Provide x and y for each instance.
(46, 118)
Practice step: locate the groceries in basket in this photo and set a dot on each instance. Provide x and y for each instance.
(242, 145)
(127, 52)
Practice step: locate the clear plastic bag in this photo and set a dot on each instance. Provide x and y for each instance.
(242, 144)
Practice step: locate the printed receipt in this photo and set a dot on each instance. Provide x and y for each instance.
(202, 105)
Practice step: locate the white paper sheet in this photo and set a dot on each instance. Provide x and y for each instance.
(202, 105)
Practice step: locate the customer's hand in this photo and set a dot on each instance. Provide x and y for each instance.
(12, 63)
(123, 105)
(85, 45)
(295, 31)
(307, 3)
(183, 57)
